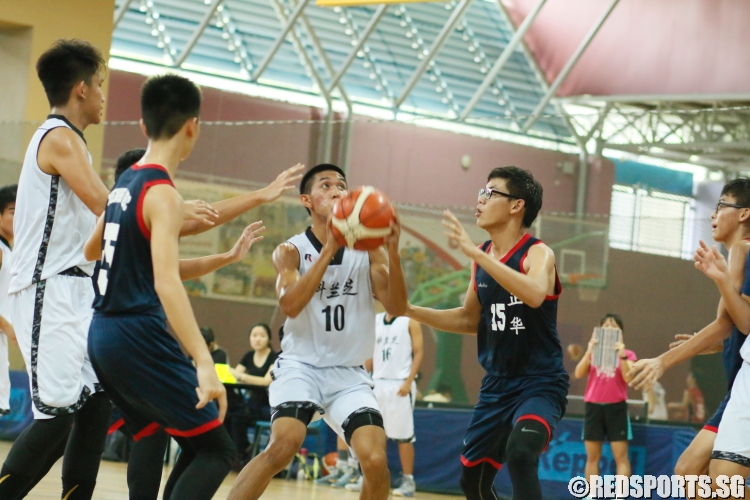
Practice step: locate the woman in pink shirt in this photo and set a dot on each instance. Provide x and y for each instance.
(606, 405)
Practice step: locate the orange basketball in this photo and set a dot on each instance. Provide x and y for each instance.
(362, 218)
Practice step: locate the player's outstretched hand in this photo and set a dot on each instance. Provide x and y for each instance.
(645, 373)
(199, 210)
(286, 181)
(457, 235)
(249, 236)
(210, 388)
(710, 262)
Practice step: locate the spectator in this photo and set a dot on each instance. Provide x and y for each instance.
(606, 412)
(657, 408)
(218, 354)
(253, 370)
(691, 408)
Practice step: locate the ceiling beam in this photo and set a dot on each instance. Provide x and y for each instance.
(374, 20)
(500, 63)
(434, 49)
(120, 13)
(276, 45)
(198, 32)
(568, 67)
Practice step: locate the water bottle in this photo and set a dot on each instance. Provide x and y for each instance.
(301, 475)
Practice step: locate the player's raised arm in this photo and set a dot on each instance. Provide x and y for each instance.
(646, 372)
(162, 213)
(729, 279)
(293, 289)
(388, 284)
(531, 288)
(464, 319)
(63, 153)
(195, 268)
(233, 207)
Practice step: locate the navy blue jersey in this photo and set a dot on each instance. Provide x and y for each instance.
(124, 278)
(515, 340)
(733, 344)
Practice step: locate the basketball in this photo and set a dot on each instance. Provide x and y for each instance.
(362, 219)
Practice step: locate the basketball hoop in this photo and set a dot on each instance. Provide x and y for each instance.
(588, 293)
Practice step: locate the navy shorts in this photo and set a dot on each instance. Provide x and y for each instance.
(502, 403)
(713, 422)
(144, 372)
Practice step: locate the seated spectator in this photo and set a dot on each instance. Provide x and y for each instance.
(691, 408)
(253, 370)
(657, 407)
(218, 354)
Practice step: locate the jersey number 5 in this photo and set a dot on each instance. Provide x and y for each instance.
(498, 317)
(111, 230)
(338, 317)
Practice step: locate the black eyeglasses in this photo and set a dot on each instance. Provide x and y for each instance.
(723, 204)
(487, 193)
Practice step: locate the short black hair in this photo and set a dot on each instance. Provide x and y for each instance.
(615, 317)
(127, 160)
(208, 334)
(739, 189)
(305, 184)
(65, 64)
(521, 185)
(167, 102)
(7, 196)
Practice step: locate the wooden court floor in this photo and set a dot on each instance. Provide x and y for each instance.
(112, 485)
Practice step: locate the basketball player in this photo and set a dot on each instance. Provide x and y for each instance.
(59, 195)
(326, 293)
(395, 363)
(511, 305)
(138, 287)
(7, 210)
(49, 293)
(730, 227)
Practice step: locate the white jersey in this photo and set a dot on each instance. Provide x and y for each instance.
(4, 311)
(5, 277)
(393, 352)
(51, 223)
(337, 326)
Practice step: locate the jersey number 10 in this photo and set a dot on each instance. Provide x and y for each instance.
(338, 317)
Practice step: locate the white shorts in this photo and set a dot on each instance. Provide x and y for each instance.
(398, 411)
(733, 439)
(51, 319)
(337, 392)
(4, 376)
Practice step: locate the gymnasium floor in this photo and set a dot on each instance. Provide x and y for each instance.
(111, 485)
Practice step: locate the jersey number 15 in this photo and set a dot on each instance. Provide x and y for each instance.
(498, 317)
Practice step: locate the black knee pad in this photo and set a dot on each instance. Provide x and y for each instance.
(301, 410)
(361, 418)
(94, 415)
(477, 482)
(526, 442)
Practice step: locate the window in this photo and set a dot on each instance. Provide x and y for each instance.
(650, 222)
